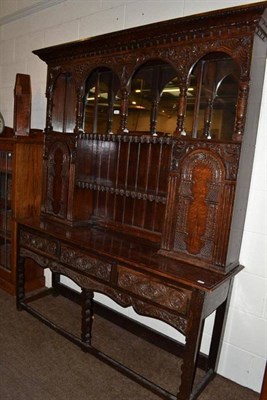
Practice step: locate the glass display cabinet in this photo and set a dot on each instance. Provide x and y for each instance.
(20, 185)
(6, 209)
(20, 195)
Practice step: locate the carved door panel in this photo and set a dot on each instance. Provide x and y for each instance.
(58, 165)
(200, 203)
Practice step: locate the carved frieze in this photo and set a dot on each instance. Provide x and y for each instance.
(174, 299)
(41, 261)
(181, 56)
(153, 311)
(125, 300)
(40, 243)
(85, 263)
(167, 34)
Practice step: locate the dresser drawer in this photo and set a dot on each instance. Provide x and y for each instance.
(83, 261)
(175, 299)
(37, 242)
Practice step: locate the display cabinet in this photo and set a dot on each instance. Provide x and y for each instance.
(148, 154)
(6, 209)
(20, 194)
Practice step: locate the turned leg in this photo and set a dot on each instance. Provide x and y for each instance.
(192, 345)
(87, 317)
(20, 282)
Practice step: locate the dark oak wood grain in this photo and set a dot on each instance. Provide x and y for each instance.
(145, 160)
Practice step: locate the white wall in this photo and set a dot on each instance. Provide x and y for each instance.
(26, 25)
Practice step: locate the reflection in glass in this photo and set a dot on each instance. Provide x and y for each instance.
(154, 95)
(211, 101)
(224, 108)
(167, 109)
(153, 99)
(140, 100)
(101, 106)
(63, 104)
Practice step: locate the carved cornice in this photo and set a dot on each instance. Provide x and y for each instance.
(180, 55)
(242, 21)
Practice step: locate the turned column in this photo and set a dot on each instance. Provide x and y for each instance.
(87, 317)
(124, 111)
(181, 110)
(241, 110)
(79, 111)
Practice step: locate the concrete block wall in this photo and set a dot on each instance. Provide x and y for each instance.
(26, 25)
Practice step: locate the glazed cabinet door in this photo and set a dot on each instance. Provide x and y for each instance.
(6, 158)
(20, 195)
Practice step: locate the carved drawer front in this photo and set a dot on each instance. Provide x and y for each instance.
(141, 285)
(36, 242)
(83, 262)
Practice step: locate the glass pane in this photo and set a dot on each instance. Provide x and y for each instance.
(140, 100)
(153, 99)
(101, 111)
(212, 97)
(224, 109)
(5, 208)
(167, 109)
